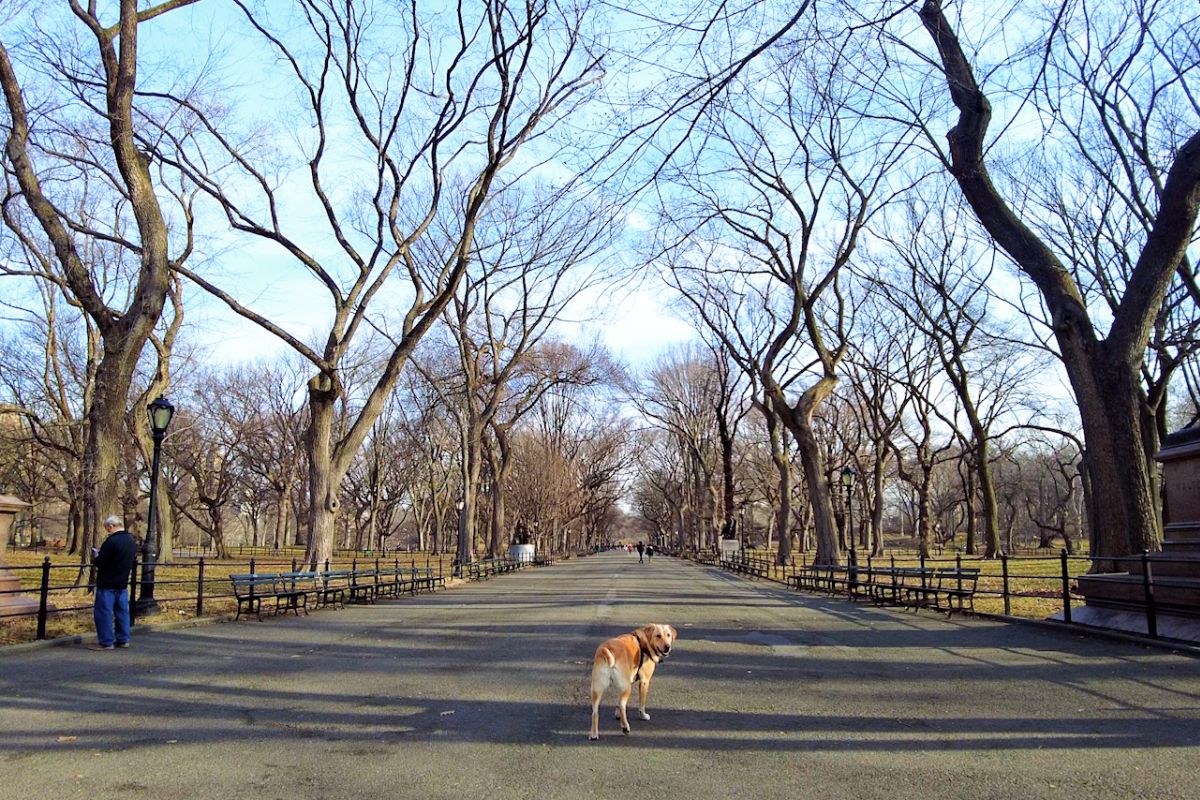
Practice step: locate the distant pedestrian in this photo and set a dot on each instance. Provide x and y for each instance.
(641, 548)
(649, 552)
(113, 561)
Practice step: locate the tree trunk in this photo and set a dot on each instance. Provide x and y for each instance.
(987, 497)
(813, 461)
(500, 466)
(925, 510)
(783, 518)
(970, 515)
(323, 486)
(281, 516)
(106, 433)
(472, 468)
(876, 546)
(1125, 521)
(799, 422)
(727, 480)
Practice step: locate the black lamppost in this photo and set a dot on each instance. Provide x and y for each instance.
(160, 413)
(460, 558)
(848, 476)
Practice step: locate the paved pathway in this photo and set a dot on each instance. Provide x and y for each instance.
(480, 692)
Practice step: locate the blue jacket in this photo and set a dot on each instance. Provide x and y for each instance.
(115, 560)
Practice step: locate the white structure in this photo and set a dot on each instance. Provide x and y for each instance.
(522, 552)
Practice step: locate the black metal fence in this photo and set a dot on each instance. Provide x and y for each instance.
(1049, 579)
(185, 588)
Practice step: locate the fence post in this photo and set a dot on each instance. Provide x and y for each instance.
(293, 565)
(1004, 572)
(200, 587)
(44, 599)
(1148, 588)
(133, 583)
(1066, 588)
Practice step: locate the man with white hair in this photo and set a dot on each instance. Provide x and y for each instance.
(113, 562)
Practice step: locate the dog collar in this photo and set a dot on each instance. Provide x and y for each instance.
(643, 651)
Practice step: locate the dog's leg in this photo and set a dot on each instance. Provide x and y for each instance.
(594, 733)
(600, 679)
(643, 692)
(644, 688)
(628, 690)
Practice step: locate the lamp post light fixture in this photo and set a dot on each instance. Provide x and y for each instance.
(848, 478)
(460, 558)
(160, 413)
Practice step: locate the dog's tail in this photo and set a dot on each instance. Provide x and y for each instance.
(605, 657)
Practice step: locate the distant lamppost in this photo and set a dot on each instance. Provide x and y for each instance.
(160, 413)
(460, 558)
(848, 476)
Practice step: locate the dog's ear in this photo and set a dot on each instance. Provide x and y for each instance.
(674, 633)
(643, 634)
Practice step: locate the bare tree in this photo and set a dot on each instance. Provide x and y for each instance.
(941, 289)
(569, 467)
(658, 493)
(48, 375)
(271, 451)
(87, 204)
(1093, 67)
(209, 442)
(682, 395)
(879, 352)
(439, 105)
(790, 190)
(535, 254)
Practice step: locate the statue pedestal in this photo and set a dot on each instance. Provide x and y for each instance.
(1119, 600)
(12, 603)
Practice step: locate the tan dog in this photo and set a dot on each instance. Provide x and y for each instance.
(625, 660)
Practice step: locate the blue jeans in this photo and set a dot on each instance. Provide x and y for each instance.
(111, 610)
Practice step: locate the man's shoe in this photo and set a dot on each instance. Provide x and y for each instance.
(122, 644)
(100, 647)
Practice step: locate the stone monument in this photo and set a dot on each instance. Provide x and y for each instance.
(11, 602)
(1119, 600)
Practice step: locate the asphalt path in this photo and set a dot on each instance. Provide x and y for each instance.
(480, 691)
